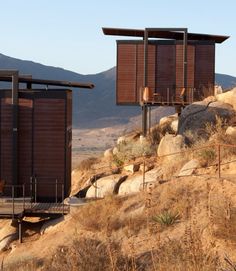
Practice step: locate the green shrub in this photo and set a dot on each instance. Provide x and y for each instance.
(130, 150)
(166, 218)
(207, 156)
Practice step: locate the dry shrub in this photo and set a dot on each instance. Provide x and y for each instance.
(130, 150)
(25, 265)
(101, 215)
(158, 131)
(85, 254)
(206, 157)
(86, 164)
(181, 255)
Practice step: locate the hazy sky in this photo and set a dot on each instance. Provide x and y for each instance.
(67, 33)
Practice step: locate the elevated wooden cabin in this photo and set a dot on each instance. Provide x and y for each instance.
(177, 70)
(36, 138)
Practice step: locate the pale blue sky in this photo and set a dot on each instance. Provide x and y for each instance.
(67, 33)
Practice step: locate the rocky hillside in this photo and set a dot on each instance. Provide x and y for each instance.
(94, 108)
(165, 202)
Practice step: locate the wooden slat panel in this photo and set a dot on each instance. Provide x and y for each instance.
(25, 142)
(151, 68)
(165, 75)
(204, 70)
(6, 140)
(179, 68)
(49, 144)
(126, 73)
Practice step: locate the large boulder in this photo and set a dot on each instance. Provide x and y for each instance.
(195, 116)
(228, 97)
(231, 131)
(51, 225)
(170, 144)
(105, 186)
(135, 184)
(131, 168)
(189, 168)
(8, 233)
(108, 154)
(168, 119)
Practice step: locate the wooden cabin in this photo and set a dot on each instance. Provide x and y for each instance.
(35, 140)
(176, 67)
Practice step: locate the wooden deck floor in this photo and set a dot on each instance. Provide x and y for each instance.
(8, 209)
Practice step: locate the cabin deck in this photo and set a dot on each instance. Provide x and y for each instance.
(21, 209)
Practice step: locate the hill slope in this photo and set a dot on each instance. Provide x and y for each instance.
(94, 108)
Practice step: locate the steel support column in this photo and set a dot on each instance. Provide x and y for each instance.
(185, 63)
(145, 82)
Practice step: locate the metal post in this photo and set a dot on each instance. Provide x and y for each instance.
(62, 198)
(13, 200)
(145, 79)
(185, 62)
(56, 190)
(149, 119)
(15, 127)
(20, 230)
(35, 189)
(168, 96)
(31, 191)
(23, 196)
(95, 184)
(219, 165)
(144, 168)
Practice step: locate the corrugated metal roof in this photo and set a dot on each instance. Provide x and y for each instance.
(162, 34)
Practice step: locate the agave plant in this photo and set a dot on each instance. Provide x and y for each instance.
(166, 218)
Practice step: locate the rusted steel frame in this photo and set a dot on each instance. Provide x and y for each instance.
(145, 79)
(30, 81)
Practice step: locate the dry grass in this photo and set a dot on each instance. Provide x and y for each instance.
(101, 215)
(87, 164)
(116, 237)
(158, 131)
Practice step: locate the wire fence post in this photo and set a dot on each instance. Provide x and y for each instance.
(144, 169)
(13, 201)
(219, 165)
(95, 183)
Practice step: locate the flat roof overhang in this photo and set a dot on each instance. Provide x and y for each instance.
(164, 33)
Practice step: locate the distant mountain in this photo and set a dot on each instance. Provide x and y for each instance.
(91, 108)
(224, 80)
